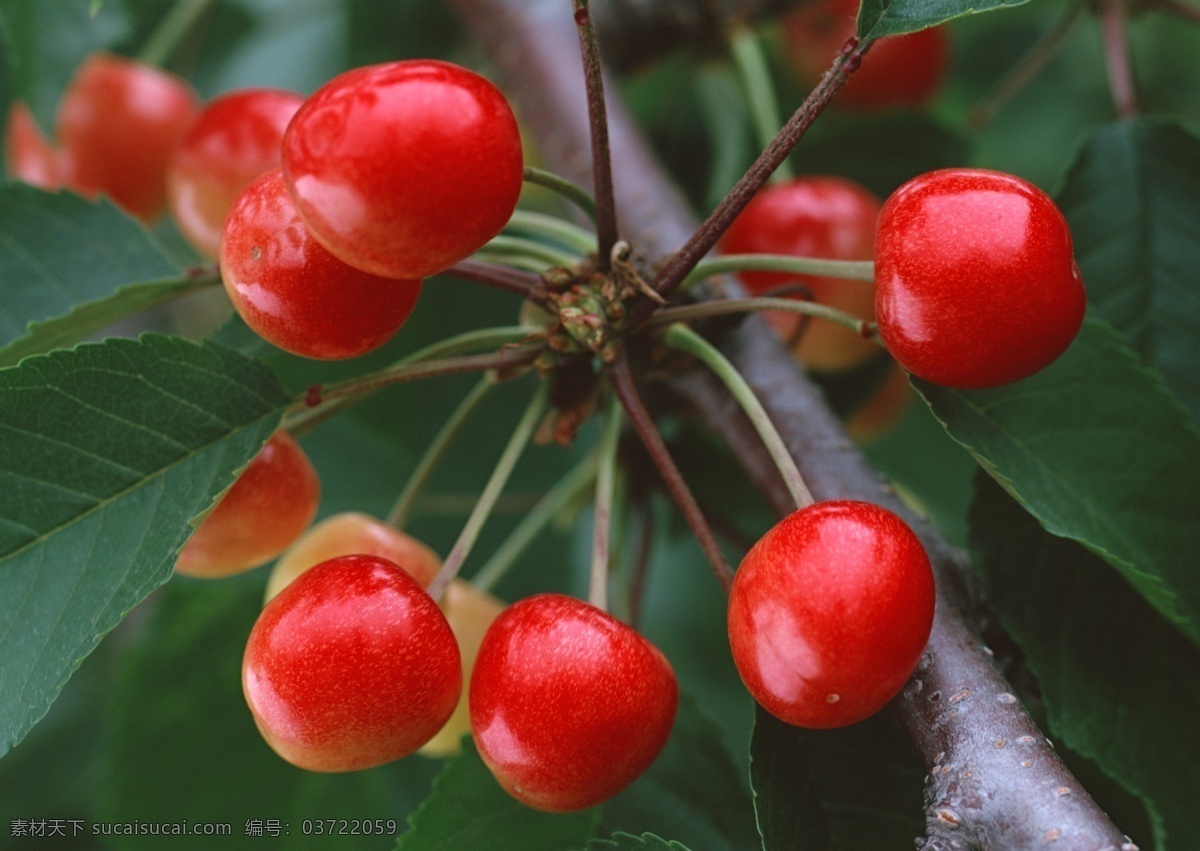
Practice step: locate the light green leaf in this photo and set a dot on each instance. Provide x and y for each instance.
(879, 18)
(629, 842)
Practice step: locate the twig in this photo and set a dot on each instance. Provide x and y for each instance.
(501, 277)
(606, 210)
(1117, 59)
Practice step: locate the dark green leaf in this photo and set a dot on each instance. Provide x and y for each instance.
(108, 451)
(468, 809)
(629, 842)
(1133, 201)
(1099, 451)
(853, 788)
(878, 18)
(1119, 685)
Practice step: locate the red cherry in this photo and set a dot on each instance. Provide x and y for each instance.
(233, 140)
(403, 169)
(568, 705)
(28, 154)
(903, 70)
(270, 504)
(826, 217)
(829, 613)
(294, 293)
(976, 282)
(119, 122)
(351, 666)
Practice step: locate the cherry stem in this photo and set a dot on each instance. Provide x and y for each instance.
(569, 489)
(1117, 58)
(562, 187)
(606, 210)
(491, 492)
(173, 29)
(685, 339)
(1027, 68)
(851, 270)
(746, 49)
(640, 564)
(539, 224)
(450, 429)
(519, 246)
(681, 263)
(525, 285)
(602, 524)
(623, 384)
(726, 306)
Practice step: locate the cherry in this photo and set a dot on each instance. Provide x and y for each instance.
(234, 139)
(294, 293)
(903, 70)
(568, 705)
(268, 506)
(976, 282)
(405, 168)
(826, 217)
(119, 122)
(28, 154)
(829, 613)
(353, 533)
(351, 666)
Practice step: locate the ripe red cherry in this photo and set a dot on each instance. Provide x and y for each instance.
(351, 666)
(119, 122)
(270, 504)
(405, 168)
(826, 217)
(829, 613)
(234, 139)
(568, 705)
(294, 293)
(903, 70)
(976, 282)
(28, 154)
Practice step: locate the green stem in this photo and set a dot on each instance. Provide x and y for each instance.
(529, 248)
(603, 516)
(747, 52)
(726, 306)
(562, 187)
(491, 492)
(566, 491)
(685, 339)
(173, 28)
(514, 261)
(540, 224)
(450, 429)
(851, 270)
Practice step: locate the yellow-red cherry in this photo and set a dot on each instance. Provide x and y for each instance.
(975, 278)
(266, 508)
(295, 294)
(235, 138)
(350, 666)
(829, 613)
(830, 218)
(568, 705)
(405, 168)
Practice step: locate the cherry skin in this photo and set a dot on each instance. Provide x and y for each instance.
(568, 705)
(235, 138)
(351, 666)
(29, 156)
(268, 506)
(294, 293)
(976, 282)
(353, 533)
(829, 613)
(405, 168)
(898, 71)
(824, 217)
(119, 122)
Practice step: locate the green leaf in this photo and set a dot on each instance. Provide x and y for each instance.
(1100, 452)
(879, 18)
(182, 746)
(1133, 202)
(1119, 685)
(468, 809)
(629, 842)
(806, 798)
(108, 451)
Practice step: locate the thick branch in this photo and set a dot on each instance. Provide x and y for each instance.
(994, 781)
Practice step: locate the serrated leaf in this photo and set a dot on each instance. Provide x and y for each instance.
(629, 842)
(1119, 685)
(70, 267)
(879, 18)
(1132, 199)
(806, 798)
(183, 747)
(469, 809)
(108, 451)
(1099, 451)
